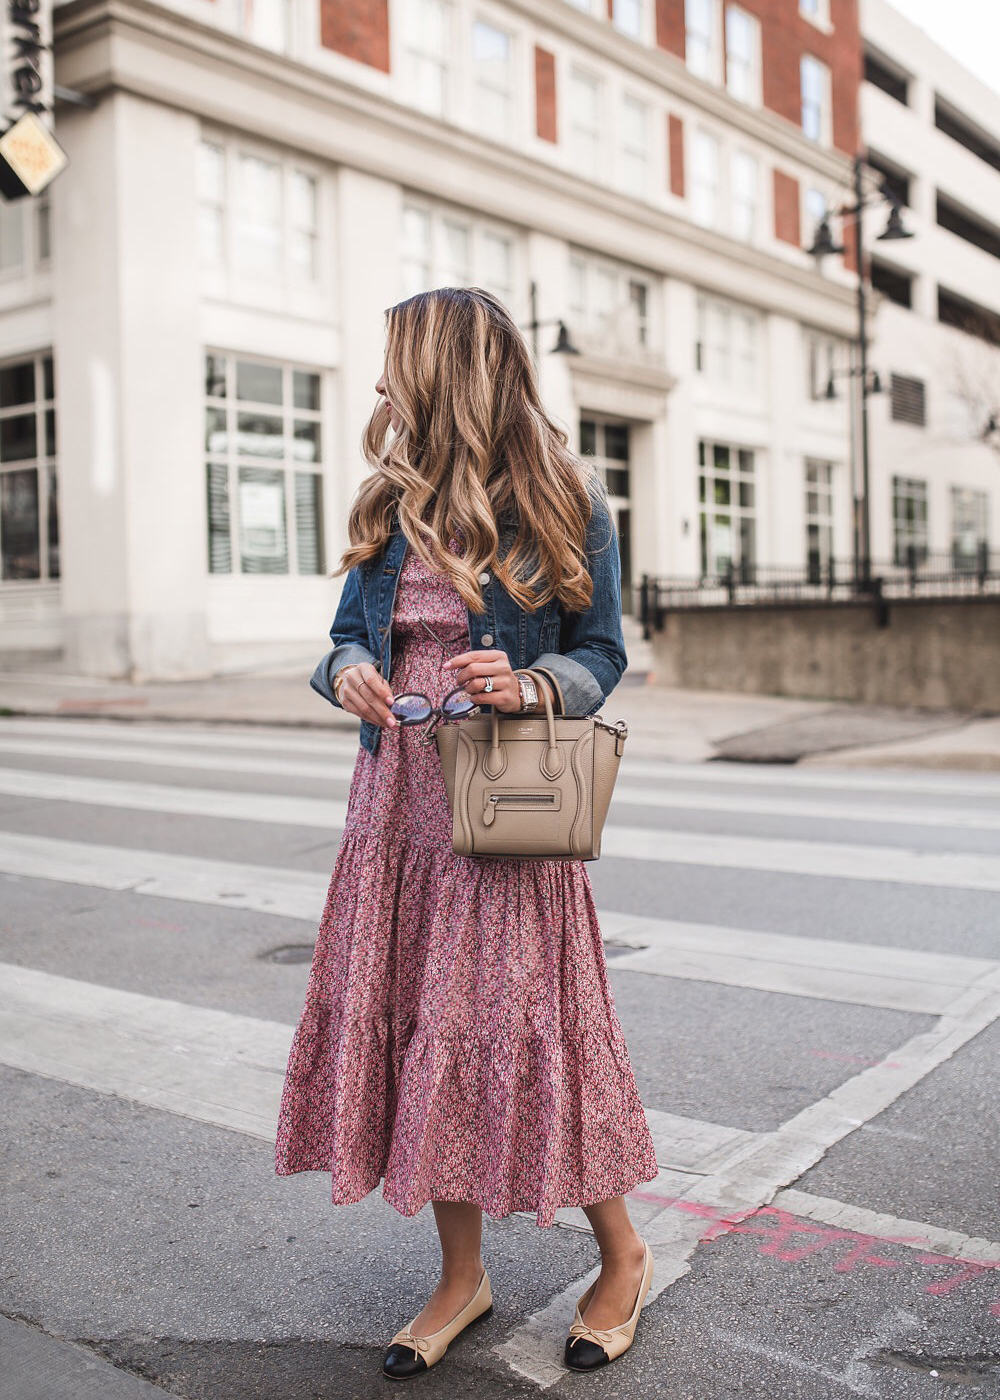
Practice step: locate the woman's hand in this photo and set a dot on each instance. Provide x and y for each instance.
(363, 692)
(471, 669)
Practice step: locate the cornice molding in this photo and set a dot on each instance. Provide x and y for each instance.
(158, 55)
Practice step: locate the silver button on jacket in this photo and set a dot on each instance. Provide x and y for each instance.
(484, 578)
(486, 640)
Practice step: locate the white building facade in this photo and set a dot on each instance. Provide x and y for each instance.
(933, 132)
(191, 325)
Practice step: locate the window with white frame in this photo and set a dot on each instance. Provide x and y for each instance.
(264, 475)
(608, 305)
(445, 248)
(635, 145)
(706, 203)
(745, 181)
(24, 236)
(909, 520)
(727, 349)
(727, 509)
(818, 11)
(815, 209)
(742, 55)
(819, 359)
(257, 215)
(815, 82)
(701, 42)
(29, 507)
(493, 80)
(819, 518)
(626, 15)
(425, 35)
(265, 22)
(585, 122)
(969, 527)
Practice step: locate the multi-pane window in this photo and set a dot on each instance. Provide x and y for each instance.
(969, 526)
(265, 22)
(705, 180)
(742, 55)
(444, 249)
(493, 78)
(815, 82)
(626, 15)
(608, 305)
(909, 519)
(606, 444)
(426, 43)
(727, 509)
(745, 181)
(29, 508)
(819, 518)
(701, 39)
(585, 122)
(259, 215)
(635, 145)
(820, 350)
(24, 235)
(727, 350)
(263, 450)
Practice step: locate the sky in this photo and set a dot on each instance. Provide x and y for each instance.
(967, 29)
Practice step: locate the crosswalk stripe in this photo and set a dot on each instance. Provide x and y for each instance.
(818, 858)
(867, 975)
(629, 794)
(341, 738)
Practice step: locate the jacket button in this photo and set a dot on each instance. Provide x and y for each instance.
(484, 578)
(486, 640)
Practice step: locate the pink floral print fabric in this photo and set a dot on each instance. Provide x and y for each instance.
(458, 1041)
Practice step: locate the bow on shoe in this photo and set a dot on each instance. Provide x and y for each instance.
(580, 1329)
(421, 1345)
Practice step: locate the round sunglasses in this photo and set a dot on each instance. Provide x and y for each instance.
(416, 708)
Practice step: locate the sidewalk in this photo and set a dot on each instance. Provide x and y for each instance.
(685, 726)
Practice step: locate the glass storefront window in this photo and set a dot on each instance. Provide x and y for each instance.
(258, 409)
(29, 514)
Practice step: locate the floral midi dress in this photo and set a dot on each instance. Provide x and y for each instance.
(458, 1040)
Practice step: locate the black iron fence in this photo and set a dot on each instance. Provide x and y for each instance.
(834, 581)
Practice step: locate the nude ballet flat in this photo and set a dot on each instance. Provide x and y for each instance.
(587, 1348)
(410, 1356)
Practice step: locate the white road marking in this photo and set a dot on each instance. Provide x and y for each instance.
(788, 1359)
(953, 870)
(862, 974)
(667, 798)
(888, 1227)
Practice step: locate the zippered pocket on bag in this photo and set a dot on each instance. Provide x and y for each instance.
(538, 800)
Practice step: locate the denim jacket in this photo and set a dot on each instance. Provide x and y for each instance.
(581, 653)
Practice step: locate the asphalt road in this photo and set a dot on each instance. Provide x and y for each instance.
(807, 967)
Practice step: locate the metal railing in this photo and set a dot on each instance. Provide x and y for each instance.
(917, 575)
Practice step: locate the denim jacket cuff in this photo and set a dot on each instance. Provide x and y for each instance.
(578, 690)
(347, 654)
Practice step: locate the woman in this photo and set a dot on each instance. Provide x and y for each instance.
(459, 1040)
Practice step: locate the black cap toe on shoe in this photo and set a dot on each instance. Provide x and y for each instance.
(583, 1355)
(401, 1362)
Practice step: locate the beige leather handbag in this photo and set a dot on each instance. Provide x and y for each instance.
(530, 786)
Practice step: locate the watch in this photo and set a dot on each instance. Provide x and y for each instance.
(529, 692)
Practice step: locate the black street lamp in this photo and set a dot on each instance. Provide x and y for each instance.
(823, 245)
(563, 345)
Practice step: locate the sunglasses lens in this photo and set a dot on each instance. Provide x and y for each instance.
(457, 704)
(411, 709)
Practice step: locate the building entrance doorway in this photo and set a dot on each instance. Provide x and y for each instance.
(607, 442)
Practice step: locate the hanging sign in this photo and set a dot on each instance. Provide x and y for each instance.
(30, 157)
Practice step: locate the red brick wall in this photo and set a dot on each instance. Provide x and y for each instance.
(675, 144)
(357, 28)
(785, 37)
(787, 220)
(670, 25)
(545, 94)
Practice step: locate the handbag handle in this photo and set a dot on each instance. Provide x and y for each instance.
(552, 761)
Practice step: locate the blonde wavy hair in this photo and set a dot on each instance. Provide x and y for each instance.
(475, 448)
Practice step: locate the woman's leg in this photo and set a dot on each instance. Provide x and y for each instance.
(460, 1227)
(622, 1258)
